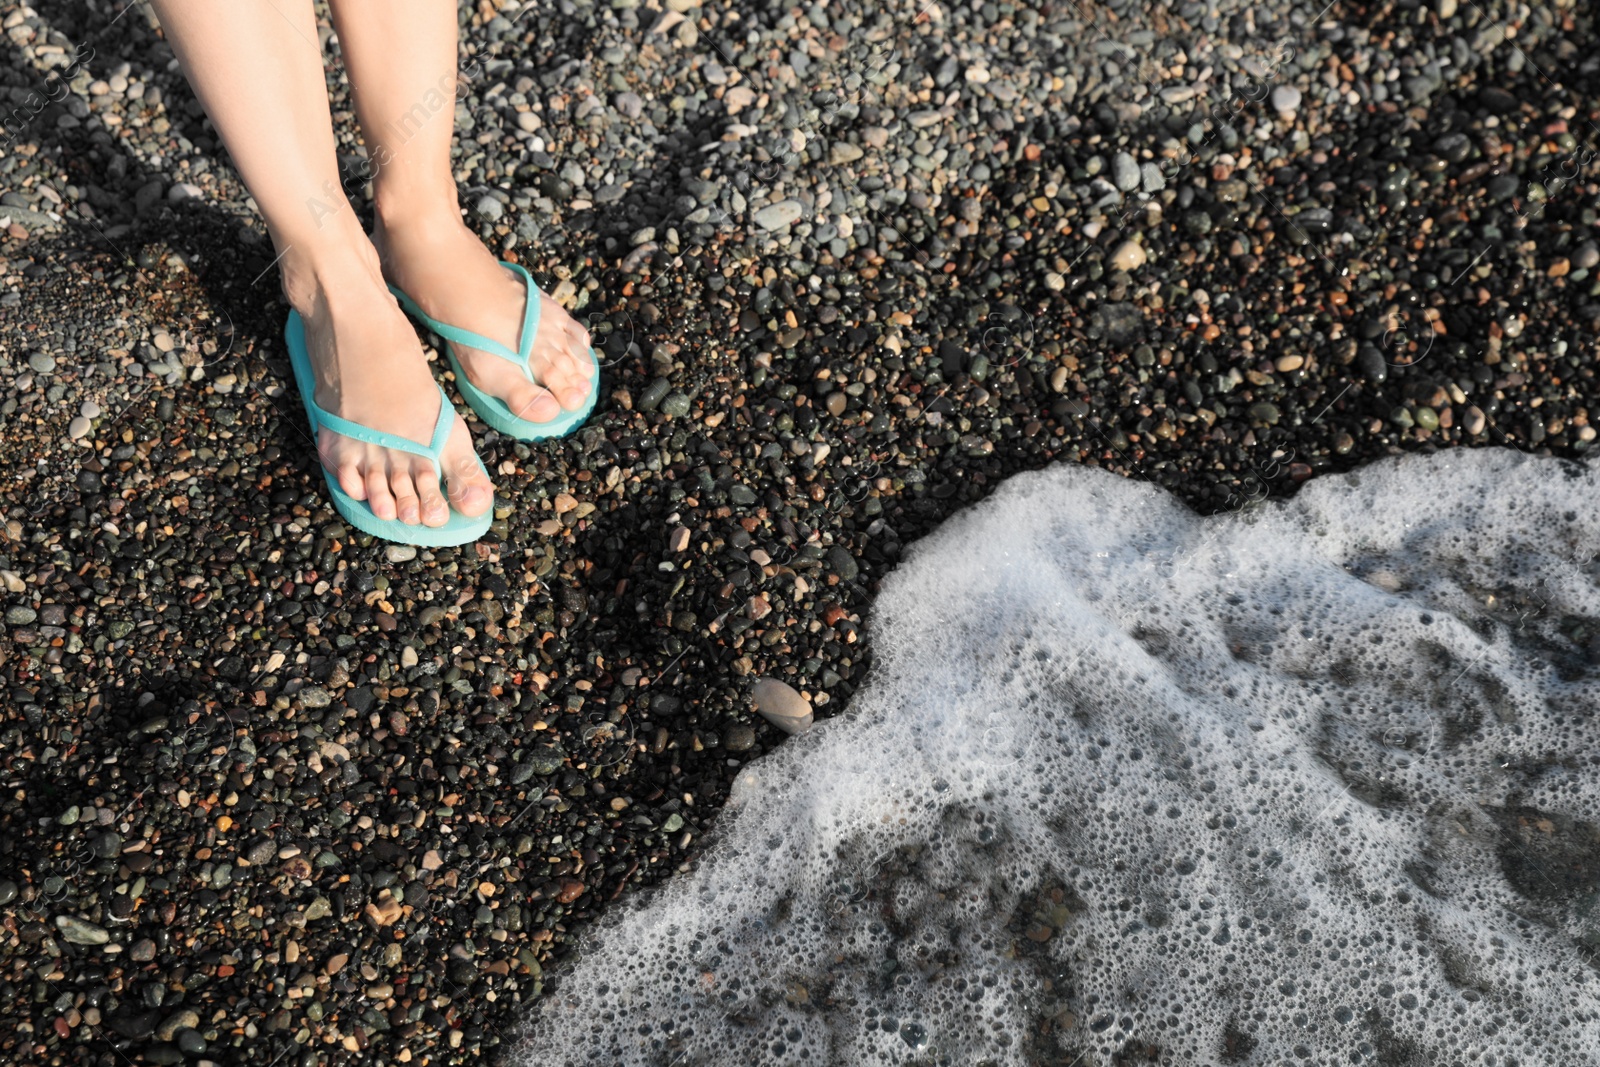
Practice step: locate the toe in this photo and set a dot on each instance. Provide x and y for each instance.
(350, 480)
(435, 512)
(557, 374)
(471, 492)
(406, 507)
(532, 402)
(379, 499)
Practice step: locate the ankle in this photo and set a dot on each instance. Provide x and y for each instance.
(316, 277)
(416, 208)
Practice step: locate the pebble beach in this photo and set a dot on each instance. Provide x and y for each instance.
(272, 792)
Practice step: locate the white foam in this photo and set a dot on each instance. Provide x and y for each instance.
(1316, 783)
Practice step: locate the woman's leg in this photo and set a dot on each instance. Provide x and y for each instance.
(401, 55)
(257, 68)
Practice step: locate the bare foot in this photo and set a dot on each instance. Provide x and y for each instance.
(371, 370)
(442, 266)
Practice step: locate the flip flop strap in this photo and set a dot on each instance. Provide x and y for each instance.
(357, 432)
(530, 325)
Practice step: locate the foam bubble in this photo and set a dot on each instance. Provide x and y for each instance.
(1314, 783)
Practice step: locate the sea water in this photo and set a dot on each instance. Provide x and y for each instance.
(1316, 782)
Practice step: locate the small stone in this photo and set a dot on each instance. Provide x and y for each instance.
(1448, 8)
(143, 951)
(527, 121)
(1266, 412)
(408, 656)
(314, 696)
(782, 705)
(8, 891)
(89, 409)
(675, 405)
(1289, 363)
(1286, 98)
(632, 104)
(679, 540)
(1125, 174)
(81, 931)
(739, 738)
(42, 362)
(400, 553)
(79, 428)
(487, 207)
(20, 616)
(336, 963)
(836, 403)
(777, 216)
(184, 191)
(1130, 255)
(1586, 256)
(183, 1020)
(843, 563)
(844, 152)
(1473, 421)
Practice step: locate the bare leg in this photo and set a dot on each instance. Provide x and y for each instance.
(401, 55)
(257, 69)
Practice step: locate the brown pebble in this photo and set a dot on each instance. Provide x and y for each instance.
(679, 541)
(336, 963)
(782, 705)
(836, 403)
(571, 889)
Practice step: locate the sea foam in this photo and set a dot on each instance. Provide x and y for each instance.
(1313, 783)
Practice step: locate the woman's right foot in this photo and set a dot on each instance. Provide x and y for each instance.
(371, 370)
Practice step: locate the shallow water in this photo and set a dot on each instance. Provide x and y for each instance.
(1314, 783)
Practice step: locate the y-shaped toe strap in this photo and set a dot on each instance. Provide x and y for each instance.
(530, 326)
(355, 431)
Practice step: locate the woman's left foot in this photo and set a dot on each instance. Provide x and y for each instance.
(446, 270)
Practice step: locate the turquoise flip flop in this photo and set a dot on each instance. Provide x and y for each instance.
(460, 530)
(491, 409)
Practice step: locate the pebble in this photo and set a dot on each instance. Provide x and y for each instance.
(185, 191)
(1130, 255)
(79, 428)
(42, 362)
(488, 207)
(89, 409)
(81, 931)
(777, 216)
(1285, 99)
(400, 553)
(182, 1020)
(1125, 173)
(782, 705)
